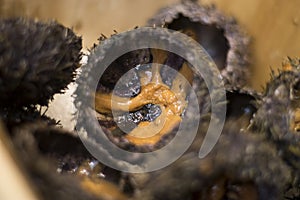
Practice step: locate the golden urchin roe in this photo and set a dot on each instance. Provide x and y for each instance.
(287, 67)
(153, 131)
(169, 119)
(172, 102)
(295, 123)
(102, 189)
(151, 93)
(290, 64)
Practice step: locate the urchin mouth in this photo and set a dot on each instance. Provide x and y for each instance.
(210, 36)
(157, 91)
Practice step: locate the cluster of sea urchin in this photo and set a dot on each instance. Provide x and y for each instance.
(251, 158)
(256, 157)
(37, 61)
(220, 36)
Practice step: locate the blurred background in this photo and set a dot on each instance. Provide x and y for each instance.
(273, 24)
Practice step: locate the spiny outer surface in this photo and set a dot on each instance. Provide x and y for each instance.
(37, 60)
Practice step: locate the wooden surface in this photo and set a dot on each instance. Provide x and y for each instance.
(275, 28)
(273, 24)
(13, 184)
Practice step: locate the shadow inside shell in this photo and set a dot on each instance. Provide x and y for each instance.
(210, 37)
(240, 105)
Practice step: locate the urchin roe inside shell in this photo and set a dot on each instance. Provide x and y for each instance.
(103, 190)
(292, 66)
(296, 106)
(211, 37)
(295, 125)
(162, 83)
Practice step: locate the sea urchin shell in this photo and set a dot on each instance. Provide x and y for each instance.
(37, 60)
(220, 36)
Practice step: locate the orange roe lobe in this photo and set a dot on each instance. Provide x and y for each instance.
(295, 123)
(170, 124)
(102, 189)
(287, 67)
(151, 93)
(147, 133)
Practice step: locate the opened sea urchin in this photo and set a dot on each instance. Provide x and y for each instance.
(220, 35)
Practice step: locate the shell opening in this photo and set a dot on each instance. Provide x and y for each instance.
(210, 36)
(148, 100)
